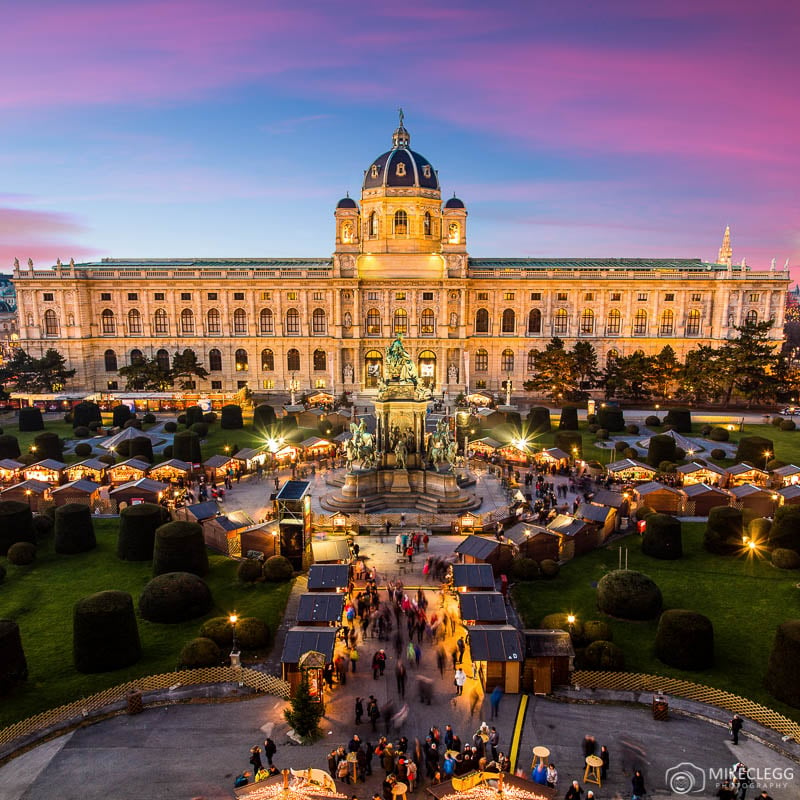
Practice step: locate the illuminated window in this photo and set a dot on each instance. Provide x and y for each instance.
(426, 223)
(319, 323)
(291, 295)
(160, 321)
(531, 360)
(508, 295)
(319, 383)
(320, 361)
(616, 297)
(640, 322)
(587, 321)
(266, 322)
(318, 296)
(110, 361)
(134, 321)
(427, 322)
(374, 322)
(534, 321)
(401, 321)
(241, 360)
(214, 321)
(293, 360)
(509, 320)
(187, 322)
(614, 322)
(267, 360)
(751, 318)
(267, 383)
(347, 232)
(454, 233)
(400, 223)
(373, 225)
(51, 323)
(561, 321)
(693, 323)
(507, 361)
(292, 322)
(215, 360)
(162, 359)
(481, 361)
(482, 321)
(399, 295)
(667, 322)
(266, 295)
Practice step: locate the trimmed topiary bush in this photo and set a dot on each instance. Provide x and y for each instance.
(167, 452)
(752, 449)
(16, 524)
(141, 447)
(776, 421)
(83, 450)
(566, 440)
(718, 453)
(181, 419)
(133, 423)
(661, 448)
(278, 569)
(179, 547)
(559, 622)
(74, 529)
(231, 418)
(604, 656)
(759, 529)
(685, 640)
(9, 446)
(549, 568)
(524, 569)
(120, 415)
(629, 595)
(252, 633)
(593, 427)
(775, 463)
(123, 449)
(539, 420)
(680, 419)
(724, 530)
(137, 531)
(719, 435)
(597, 630)
(783, 558)
(662, 537)
(667, 467)
(200, 652)
(783, 679)
(186, 447)
(175, 597)
(652, 422)
(42, 526)
(30, 419)
(631, 452)
(785, 530)
(634, 429)
(21, 554)
(219, 630)
(49, 445)
(84, 413)
(13, 666)
(95, 426)
(601, 434)
(643, 512)
(210, 417)
(249, 570)
(2, 573)
(105, 634)
(193, 414)
(620, 446)
(170, 427)
(569, 419)
(680, 454)
(107, 458)
(81, 433)
(705, 430)
(149, 418)
(611, 418)
(787, 425)
(200, 428)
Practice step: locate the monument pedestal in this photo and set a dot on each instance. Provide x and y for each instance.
(400, 482)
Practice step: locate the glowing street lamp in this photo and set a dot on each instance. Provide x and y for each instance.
(235, 660)
(28, 493)
(767, 456)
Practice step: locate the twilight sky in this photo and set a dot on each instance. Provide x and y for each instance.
(231, 128)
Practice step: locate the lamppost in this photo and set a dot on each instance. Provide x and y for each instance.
(111, 453)
(28, 494)
(571, 623)
(574, 455)
(235, 659)
(767, 456)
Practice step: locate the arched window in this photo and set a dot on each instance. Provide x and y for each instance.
(214, 360)
(110, 361)
(292, 322)
(239, 322)
(108, 324)
(136, 356)
(241, 360)
(162, 359)
(509, 321)
(426, 224)
(427, 322)
(266, 322)
(319, 323)
(534, 321)
(293, 360)
(640, 322)
(587, 321)
(320, 361)
(51, 323)
(373, 368)
(614, 323)
(531, 360)
(187, 322)
(214, 321)
(611, 356)
(160, 321)
(454, 233)
(481, 321)
(561, 321)
(267, 360)
(374, 321)
(400, 223)
(134, 321)
(667, 322)
(693, 323)
(373, 225)
(481, 361)
(751, 318)
(507, 361)
(400, 321)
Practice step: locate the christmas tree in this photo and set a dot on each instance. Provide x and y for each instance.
(306, 712)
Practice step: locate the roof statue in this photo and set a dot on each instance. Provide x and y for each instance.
(72, 263)
(786, 265)
(772, 265)
(30, 263)
(402, 116)
(16, 263)
(58, 263)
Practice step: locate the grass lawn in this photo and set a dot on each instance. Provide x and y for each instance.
(41, 597)
(744, 598)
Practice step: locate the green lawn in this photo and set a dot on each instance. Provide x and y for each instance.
(41, 597)
(744, 598)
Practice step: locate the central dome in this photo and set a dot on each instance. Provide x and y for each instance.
(401, 166)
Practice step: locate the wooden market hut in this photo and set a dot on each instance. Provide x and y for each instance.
(320, 609)
(534, 541)
(660, 497)
(627, 469)
(35, 493)
(602, 518)
(82, 491)
(223, 534)
(249, 458)
(126, 471)
(473, 577)
(786, 476)
(47, 470)
(740, 474)
(92, 469)
(331, 551)
(259, 537)
(199, 512)
(549, 658)
(702, 473)
(328, 577)
(499, 652)
(170, 471)
(316, 447)
(576, 536)
(481, 549)
(320, 398)
(789, 495)
(299, 640)
(701, 498)
(552, 457)
(758, 499)
(10, 470)
(216, 467)
(605, 497)
(486, 446)
(482, 608)
(143, 490)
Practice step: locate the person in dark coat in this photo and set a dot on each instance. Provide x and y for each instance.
(269, 750)
(574, 792)
(736, 727)
(255, 758)
(638, 790)
(606, 762)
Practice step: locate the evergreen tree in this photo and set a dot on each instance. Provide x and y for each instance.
(145, 374)
(46, 374)
(750, 362)
(665, 371)
(701, 377)
(306, 712)
(555, 372)
(186, 367)
(585, 361)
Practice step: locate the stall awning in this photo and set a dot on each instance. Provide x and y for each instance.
(82, 486)
(473, 576)
(477, 547)
(320, 607)
(330, 550)
(495, 643)
(300, 640)
(483, 606)
(328, 576)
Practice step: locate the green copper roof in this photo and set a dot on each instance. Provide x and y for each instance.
(608, 264)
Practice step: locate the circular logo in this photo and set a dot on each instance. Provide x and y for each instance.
(681, 782)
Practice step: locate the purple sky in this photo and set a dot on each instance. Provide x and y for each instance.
(617, 128)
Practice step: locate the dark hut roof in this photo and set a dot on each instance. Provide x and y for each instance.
(483, 606)
(473, 576)
(604, 497)
(547, 643)
(328, 576)
(331, 550)
(320, 607)
(477, 547)
(300, 640)
(495, 643)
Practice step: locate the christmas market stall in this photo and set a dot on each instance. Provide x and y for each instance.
(10, 470)
(490, 786)
(740, 474)
(533, 541)
(482, 608)
(82, 491)
(47, 470)
(328, 577)
(552, 457)
(786, 476)
(295, 784)
(602, 518)
(316, 447)
(660, 497)
(320, 609)
(549, 657)
(627, 469)
(35, 493)
(485, 446)
(142, 491)
(126, 471)
(482, 549)
(216, 467)
(576, 536)
(473, 578)
(172, 471)
(331, 551)
(299, 640)
(790, 495)
(250, 458)
(763, 502)
(702, 473)
(498, 651)
(92, 469)
(701, 498)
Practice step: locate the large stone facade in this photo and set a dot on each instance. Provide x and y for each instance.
(400, 264)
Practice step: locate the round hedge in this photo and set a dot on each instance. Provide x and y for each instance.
(559, 622)
(9, 446)
(13, 666)
(788, 425)
(680, 454)
(549, 568)
(719, 435)
(783, 558)
(107, 458)
(278, 569)
(167, 452)
(74, 529)
(82, 432)
(186, 447)
(685, 639)
(634, 429)
(568, 421)
(149, 418)
(630, 452)
(249, 570)
(95, 426)
(718, 453)
(21, 554)
(597, 630)
(680, 419)
(604, 656)
(643, 512)
(104, 632)
(539, 420)
(783, 671)
(264, 418)
(219, 630)
(210, 417)
(601, 434)
(175, 597)
(137, 531)
(193, 414)
(231, 418)
(200, 652)
(705, 430)
(593, 427)
(661, 448)
(123, 449)
(629, 595)
(662, 537)
(652, 422)
(133, 423)
(16, 524)
(170, 427)
(141, 447)
(752, 449)
(724, 531)
(611, 418)
(524, 569)
(30, 419)
(83, 449)
(566, 440)
(84, 413)
(667, 467)
(181, 419)
(200, 428)
(120, 415)
(49, 445)
(252, 633)
(620, 446)
(179, 547)
(759, 530)
(775, 463)
(42, 526)
(776, 421)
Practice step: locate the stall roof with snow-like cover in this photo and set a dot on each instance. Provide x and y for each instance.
(483, 606)
(299, 640)
(330, 550)
(473, 576)
(320, 607)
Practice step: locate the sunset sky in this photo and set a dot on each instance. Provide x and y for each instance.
(178, 128)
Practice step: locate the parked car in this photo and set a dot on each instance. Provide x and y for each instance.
(791, 411)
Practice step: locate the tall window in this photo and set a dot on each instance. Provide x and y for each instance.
(614, 322)
(187, 322)
(319, 324)
(481, 321)
(534, 321)
(134, 321)
(751, 318)
(160, 321)
(373, 225)
(400, 223)
(162, 359)
(136, 356)
(561, 321)
(693, 323)
(108, 324)
(507, 361)
(267, 360)
(401, 321)
(320, 361)
(110, 361)
(51, 323)
(426, 224)
(531, 360)
(427, 322)
(481, 361)
(292, 322)
(266, 322)
(667, 321)
(587, 321)
(640, 322)
(293, 360)
(374, 321)
(239, 322)
(215, 360)
(214, 321)
(241, 360)
(509, 321)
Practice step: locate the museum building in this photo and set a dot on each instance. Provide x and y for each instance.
(400, 265)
